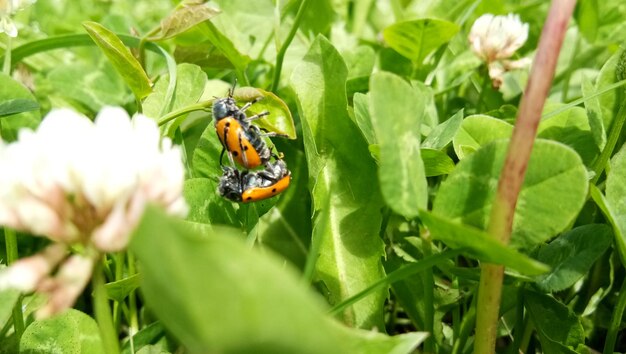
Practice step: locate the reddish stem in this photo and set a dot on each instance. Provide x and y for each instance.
(514, 169)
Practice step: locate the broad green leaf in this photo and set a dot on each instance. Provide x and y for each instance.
(479, 244)
(360, 61)
(559, 329)
(185, 16)
(317, 17)
(478, 130)
(13, 91)
(430, 119)
(17, 105)
(278, 121)
(570, 127)
(436, 162)
(571, 255)
(588, 19)
(249, 25)
(205, 204)
(594, 113)
(443, 134)
(119, 290)
(342, 179)
(616, 197)
(554, 191)
(8, 299)
(225, 45)
(121, 58)
(396, 112)
(91, 88)
(190, 82)
(607, 77)
(261, 304)
(362, 117)
(417, 38)
(70, 332)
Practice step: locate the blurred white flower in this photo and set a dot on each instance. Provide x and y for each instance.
(83, 183)
(494, 39)
(497, 37)
(7, 9)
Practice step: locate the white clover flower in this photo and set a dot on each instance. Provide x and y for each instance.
(494, 39)
(497, 37)
(83, 183)
(7, 9)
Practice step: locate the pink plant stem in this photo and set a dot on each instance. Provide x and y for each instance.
(514, 169)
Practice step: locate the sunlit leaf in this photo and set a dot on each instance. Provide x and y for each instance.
(225, 45)
(443, 134)
(185, 16)
(478, 130)
(417, 38)
(396, 112)
(70, 332)
(362, 117)
(91, 88)
(594, 113)
(572, 128)
(588, 19)
(190, 82)
(554, 191)
(121, 58)
(343, 183)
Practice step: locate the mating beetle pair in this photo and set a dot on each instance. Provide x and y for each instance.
(244, 144)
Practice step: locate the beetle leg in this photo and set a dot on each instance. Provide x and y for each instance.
(247, 105)
(257, 116)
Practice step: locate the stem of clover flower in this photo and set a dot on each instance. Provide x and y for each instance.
(103, 311)
(514, 169)
(483, 87)
(132, 302)
(191, 108)
(6, 66)
(283, 49)
(10, 240)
